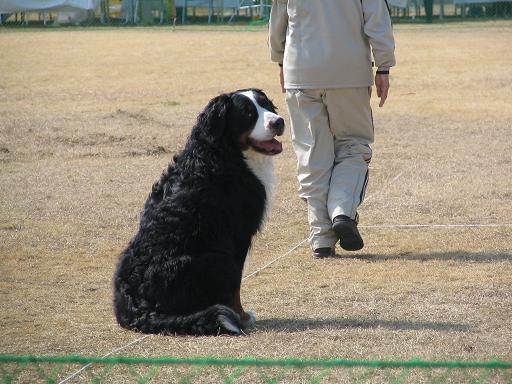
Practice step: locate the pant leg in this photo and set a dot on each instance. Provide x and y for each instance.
(351, 122)
(314, 146)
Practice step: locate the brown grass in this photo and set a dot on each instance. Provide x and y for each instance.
(89, 118)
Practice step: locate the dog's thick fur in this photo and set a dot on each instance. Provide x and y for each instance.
(181, 273)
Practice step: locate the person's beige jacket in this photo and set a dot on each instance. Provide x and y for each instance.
(326, 43)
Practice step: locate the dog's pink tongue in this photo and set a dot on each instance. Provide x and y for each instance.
(271, 146)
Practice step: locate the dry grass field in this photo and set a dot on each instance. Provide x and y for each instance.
(89, 118)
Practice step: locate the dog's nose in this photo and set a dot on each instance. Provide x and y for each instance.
(277, 126)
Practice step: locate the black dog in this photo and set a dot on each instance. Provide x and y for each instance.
(181, 273)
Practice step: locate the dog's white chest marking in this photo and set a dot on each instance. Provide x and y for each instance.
(263, 167)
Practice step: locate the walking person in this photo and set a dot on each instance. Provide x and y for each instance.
(324, 50)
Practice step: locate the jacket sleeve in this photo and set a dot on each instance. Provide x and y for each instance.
(278, 26)
(378, 29)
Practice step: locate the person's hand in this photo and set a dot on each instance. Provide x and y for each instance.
(382, 85)
(281, 79)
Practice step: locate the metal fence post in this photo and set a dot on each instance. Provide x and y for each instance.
(184, 12)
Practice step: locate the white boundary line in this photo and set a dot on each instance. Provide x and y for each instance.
(387, 185)
(273, 261)
(377, 226)
(73, 375)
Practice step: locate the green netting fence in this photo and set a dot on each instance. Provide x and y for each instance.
(78, 369)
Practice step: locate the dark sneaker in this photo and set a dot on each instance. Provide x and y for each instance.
(320, 253)
(346, 230)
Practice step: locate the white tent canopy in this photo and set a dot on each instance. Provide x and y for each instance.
(13, 6)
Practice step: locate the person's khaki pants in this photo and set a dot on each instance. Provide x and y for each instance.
(332, 130)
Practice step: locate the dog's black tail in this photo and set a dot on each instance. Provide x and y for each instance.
(217, 319)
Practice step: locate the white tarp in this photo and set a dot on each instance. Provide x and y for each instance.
(13, 6)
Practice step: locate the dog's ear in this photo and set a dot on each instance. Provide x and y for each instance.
(213, 120)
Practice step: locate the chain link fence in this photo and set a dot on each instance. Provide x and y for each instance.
(445, 10)
(67, 369)
(134, 12)
(182, 12)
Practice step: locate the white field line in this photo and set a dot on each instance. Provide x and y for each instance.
(385, 186)
(413, 226)
(273, 261)
(73, 375)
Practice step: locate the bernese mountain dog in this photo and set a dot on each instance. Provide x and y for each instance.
(181, 272)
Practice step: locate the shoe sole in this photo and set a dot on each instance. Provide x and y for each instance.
(350, 239)
(318, 256)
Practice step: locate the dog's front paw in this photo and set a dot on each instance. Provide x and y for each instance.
(249, 320)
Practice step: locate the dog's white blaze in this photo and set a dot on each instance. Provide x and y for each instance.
(261, 131)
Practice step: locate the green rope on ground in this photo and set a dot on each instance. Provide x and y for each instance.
(217, 361)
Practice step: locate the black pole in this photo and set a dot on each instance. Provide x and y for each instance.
(429, 10)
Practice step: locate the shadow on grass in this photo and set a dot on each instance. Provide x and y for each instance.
(298, 325)
(441, 256)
